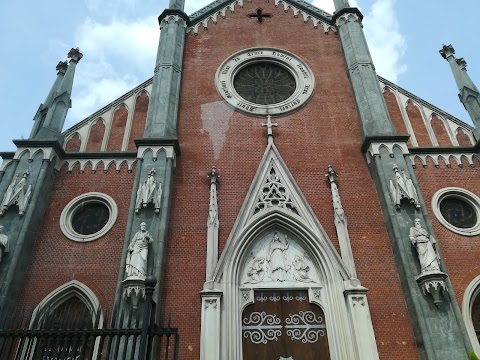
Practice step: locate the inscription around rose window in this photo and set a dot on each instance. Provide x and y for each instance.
(265, 81)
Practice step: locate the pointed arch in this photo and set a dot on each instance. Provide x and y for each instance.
(395, 112)
(117, 130)
(74, 143)
(471, 308)
(418, 124)
(463, 138)
(96, 135)
(65, 292)
(72, 303)
(440, 130)
(139, 118)
(330, 283)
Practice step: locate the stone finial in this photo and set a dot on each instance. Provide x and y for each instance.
(75, 55)
(331, 175)
(446, 51)
(462, 64)
(62, 67)
(213, 175)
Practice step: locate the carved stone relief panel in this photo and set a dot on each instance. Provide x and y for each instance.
(278, 258)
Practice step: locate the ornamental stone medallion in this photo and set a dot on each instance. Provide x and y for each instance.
(265, 81)
(278, 258)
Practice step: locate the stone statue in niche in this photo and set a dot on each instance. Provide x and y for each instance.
(18, 193)
(256, 272)
(3, 243)
(431, 279)
(148, 192)
(424, 243)
(136, 264)
(402, 188)
(276, 258)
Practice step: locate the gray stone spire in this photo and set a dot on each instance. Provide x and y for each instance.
(371, 106)
(340, 4)
(164, 100)
(51, 116)
(469, 95)
(177, 4)
(41, 114)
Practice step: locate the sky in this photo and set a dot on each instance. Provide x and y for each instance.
(119, 41)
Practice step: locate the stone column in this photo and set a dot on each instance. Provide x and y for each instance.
(210, 331)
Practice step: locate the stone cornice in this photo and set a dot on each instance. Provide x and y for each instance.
(159, 142)
(219, 8)
(376, 141)
(174, 12)
(344, 11)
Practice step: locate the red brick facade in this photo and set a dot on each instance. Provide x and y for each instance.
(325, 131)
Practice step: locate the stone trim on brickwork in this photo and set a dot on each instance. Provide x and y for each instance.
(69, 211)
(220, 8)
(471, 292)
(437, 158)
(467, 196)
(96, 162)
(315, 263)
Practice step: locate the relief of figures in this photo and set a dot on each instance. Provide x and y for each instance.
(277, 258)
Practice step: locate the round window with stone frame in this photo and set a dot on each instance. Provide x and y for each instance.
(458, 210)
(265, 81)
(88, 217)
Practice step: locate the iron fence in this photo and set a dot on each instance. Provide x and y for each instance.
(73, 332)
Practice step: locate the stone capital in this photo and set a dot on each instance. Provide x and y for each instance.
(446, 51)
(62, 67)
(75, 55)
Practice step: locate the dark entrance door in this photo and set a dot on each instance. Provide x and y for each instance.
(283, 325)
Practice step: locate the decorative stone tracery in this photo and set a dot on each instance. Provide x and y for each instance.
(18, 193)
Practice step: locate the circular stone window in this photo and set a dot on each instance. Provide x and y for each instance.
(458, 210)
(88, 217)
(265, 82)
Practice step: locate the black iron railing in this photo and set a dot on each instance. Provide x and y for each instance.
(72, 332)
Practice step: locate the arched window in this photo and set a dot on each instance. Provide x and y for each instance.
(71, 307)
(471, 312)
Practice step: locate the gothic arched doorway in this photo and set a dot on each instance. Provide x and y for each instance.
(284, 325)
(71, 315)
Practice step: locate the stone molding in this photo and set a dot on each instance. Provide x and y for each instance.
(304, 80)
(156, 149)
(469, 197)
(374, 148)
(330, 276)
(173, 19)
(74, 204)
(471, 292)
(222, 12)
(95, 163)
(446, 157)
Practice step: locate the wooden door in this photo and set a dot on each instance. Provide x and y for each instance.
(283, 325)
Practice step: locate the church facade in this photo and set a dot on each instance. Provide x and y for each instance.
(291, 203)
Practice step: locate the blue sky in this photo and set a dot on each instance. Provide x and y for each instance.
(119, 40)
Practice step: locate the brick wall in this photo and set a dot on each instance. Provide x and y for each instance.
(325, 131)
(57, 260)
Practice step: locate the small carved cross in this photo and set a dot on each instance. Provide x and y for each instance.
(269, 125)
(260, 15)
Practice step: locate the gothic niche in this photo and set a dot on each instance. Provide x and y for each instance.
(402, 188)
(277, 258)
(149, 192)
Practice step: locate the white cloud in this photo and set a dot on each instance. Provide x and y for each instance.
(386, 42)
(118, 56)
(328, 6)
(193, 5)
